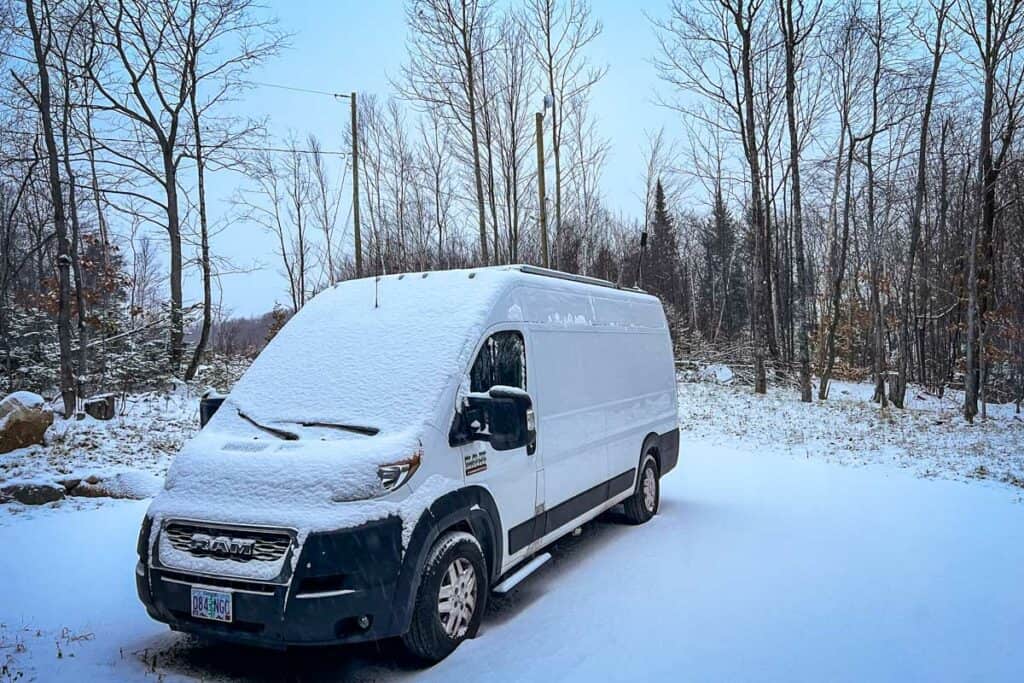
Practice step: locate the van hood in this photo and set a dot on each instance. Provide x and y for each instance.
(304, 486)
(308, 484)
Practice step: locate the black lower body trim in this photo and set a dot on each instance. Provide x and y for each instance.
(543, 524)
(668, 450)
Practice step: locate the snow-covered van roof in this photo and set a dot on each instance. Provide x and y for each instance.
(380, 351)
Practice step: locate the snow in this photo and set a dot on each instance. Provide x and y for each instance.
(388, 365)
(824, 541)
(716, 372)
(130, 453)
(27, 399)
(930, 438)
(759, 566)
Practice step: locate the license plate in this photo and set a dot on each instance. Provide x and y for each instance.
(213, 605)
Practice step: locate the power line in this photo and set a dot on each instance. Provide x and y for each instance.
(237, 148)
(310, 91)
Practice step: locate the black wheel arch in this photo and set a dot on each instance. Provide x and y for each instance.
(652, 443)
(471, 509)
(665, 448)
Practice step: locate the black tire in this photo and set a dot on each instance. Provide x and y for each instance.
(644, 502)
(431, 636)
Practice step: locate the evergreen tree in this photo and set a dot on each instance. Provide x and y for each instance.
(661, 263)
(723, 306)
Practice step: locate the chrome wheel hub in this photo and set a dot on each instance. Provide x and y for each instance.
(650, 488)
(456, 600)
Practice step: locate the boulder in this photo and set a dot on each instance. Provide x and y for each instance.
(30, 493)
(100, 407)
(69, 483)
(133, 485)
(23, 420)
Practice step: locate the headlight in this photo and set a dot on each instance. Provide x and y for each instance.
(393, 475)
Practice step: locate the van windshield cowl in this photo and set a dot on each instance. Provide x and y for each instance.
(292, 436)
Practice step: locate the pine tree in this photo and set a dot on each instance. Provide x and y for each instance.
(661, 263)
(723, 297)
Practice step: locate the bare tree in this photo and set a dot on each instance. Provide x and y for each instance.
(159, 54)
(849, 68)
(42, 37)
(560, 32)
(511, 114)
(707, 48)
(995, 29)
(796, 28)
(937, 47)
(444, 53)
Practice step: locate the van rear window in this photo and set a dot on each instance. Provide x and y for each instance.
(502, 360)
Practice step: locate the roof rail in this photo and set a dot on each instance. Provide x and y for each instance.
(558, 274)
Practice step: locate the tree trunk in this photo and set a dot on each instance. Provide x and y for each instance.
(474, 138)
(760, 317)
(170, 180)
(204, 238)
(800, 304)
(899, 388)
(838, 272)
(67, 375)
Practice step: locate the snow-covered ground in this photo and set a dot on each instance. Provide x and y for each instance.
(771, 559)
(759, 567)
(930, 438)
(130, 453)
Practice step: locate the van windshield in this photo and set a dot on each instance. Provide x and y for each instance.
(344, 363)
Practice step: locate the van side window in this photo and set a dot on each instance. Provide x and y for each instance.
(502, 360)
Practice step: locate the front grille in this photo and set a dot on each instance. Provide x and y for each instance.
(268, 546)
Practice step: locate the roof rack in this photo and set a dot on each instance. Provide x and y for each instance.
(560, 275)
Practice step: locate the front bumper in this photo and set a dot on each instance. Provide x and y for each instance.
(336, 579)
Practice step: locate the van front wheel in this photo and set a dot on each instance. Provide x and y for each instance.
(644, 502)
(451, 598)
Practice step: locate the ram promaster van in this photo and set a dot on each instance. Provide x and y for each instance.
(405, 446)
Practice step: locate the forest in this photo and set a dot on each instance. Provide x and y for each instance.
(841, 194)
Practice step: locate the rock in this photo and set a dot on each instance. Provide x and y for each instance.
(23, 420)
(87, 490)
(131, 484)
(69, 483)
(101, 407)
(32, 493)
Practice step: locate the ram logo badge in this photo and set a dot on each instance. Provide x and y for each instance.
(222, 546)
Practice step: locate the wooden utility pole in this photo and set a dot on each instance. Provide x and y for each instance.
(355, 187)
(540, 191)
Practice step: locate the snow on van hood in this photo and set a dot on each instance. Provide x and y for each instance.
(307, 486)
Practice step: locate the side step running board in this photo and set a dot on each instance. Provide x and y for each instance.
(513, 579)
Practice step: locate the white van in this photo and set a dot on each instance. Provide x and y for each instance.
(404, 446)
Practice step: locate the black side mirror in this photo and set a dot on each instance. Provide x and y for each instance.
(503, 417)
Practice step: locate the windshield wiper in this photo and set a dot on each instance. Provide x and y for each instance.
(358, 429)
(279, 433)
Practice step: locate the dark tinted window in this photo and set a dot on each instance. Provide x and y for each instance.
(502, 360)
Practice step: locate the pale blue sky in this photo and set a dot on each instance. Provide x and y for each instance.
(347, 45)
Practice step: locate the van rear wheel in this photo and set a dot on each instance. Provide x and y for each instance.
(644, 502)
(451, 598)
